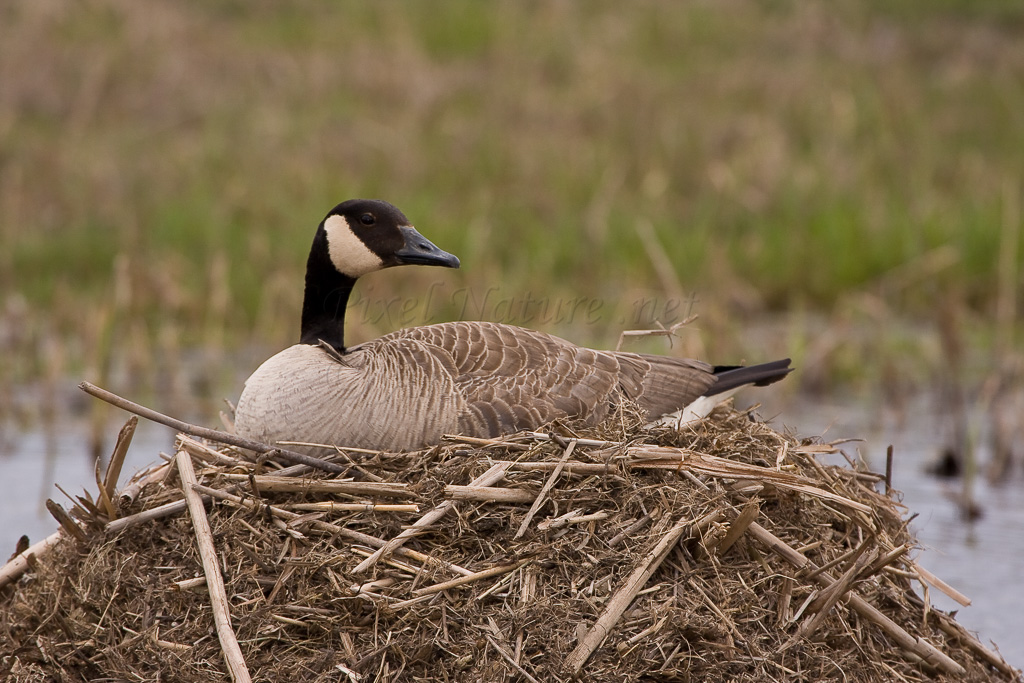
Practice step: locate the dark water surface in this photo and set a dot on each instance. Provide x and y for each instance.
(984, 560)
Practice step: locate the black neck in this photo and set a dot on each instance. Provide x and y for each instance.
(327, 292)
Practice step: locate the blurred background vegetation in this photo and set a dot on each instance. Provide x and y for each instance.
(840, 182)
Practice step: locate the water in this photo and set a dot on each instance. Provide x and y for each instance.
(983, 560)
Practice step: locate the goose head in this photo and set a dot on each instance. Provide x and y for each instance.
(364, 235)
(357, 237)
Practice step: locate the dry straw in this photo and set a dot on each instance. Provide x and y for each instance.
(726, 551)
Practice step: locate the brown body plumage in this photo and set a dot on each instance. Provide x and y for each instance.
(407, 389)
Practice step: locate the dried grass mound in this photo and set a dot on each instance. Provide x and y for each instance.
(724, 551)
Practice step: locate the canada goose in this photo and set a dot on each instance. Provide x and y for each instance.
(408, 388)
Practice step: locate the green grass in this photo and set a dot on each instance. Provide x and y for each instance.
(787, 155)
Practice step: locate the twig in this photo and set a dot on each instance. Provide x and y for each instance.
(495, 474)
(569, 468)
(462, 580)
(660, 332)
(476, 441)
(508, 658)
(573, 517)
(541, 436)
(331, 506)
(544, 490)
(629, 589)
(214, 580)
(629, 530)
(206, 433)
(279, 484)
(488, 494)
(200, 450)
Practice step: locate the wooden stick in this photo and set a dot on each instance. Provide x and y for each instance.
(628, 590)
(20, 563)
(206, 433)
(542, 496)
(495, 474)
(214, 580)
(329, 528)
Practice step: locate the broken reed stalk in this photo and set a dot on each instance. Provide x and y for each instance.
(103, 498)
(331, 506)
(633, 585)
(831, 595)
(462, 580)
(174, 507)
(739, 526)
(279, 484)
(211, 568)
(329, 528)
(918, 647)
(129, 493)
(495, 474)
(21, 562)
(206, 433)
(124, 441)
(66, 523)
(942, 585)
(510, 659)
(488, 494)
(544, 490)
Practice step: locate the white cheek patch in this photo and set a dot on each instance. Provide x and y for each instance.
(348, 253)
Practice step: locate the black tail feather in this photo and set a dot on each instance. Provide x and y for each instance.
(732, 376)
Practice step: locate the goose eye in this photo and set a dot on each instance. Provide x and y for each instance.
(367, 219)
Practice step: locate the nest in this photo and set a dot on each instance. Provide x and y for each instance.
(721, 551)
